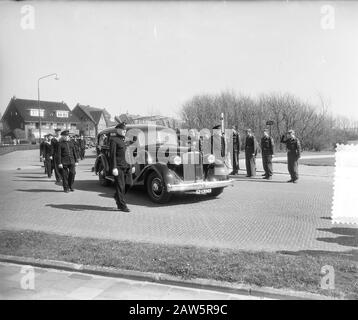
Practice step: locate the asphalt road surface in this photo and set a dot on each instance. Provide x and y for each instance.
(254, 214)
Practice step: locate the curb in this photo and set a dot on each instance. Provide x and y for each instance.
(161, 278)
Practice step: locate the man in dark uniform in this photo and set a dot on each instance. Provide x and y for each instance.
(42, 146)
(293, 146)
(121, 169)
(267, 151)
(250, 153)
(55, 141)
(235, 150)
(67, 161)
(82, 145)
(48, 155)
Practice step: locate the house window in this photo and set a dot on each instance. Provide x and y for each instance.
(61, 114)
(35, 112)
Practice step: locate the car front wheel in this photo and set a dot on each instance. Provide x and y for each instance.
(156, 189)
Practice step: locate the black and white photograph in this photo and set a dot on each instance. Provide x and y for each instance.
(178, 155)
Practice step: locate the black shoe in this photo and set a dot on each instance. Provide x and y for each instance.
(71, 189)
(124, 209)
(264, 174)
(290, 180)
(247, 176)
(265, 177)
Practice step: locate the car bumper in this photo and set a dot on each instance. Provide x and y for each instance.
(199, 185)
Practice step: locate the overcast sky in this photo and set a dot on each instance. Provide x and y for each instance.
(150, 57)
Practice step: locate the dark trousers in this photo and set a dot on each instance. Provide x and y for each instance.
(58, 174)
(68, 175)
(235, 161)
(120, 186)
(82, 153)
(267, 164)
(250, 161)
(48, 167)
(292, 164)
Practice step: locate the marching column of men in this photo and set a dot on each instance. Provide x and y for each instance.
(60, 154)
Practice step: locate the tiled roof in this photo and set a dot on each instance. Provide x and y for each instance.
(93, 114)
(23, 107)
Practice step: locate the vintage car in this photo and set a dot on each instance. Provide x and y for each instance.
(207, 175)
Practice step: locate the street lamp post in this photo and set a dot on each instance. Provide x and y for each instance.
(38, 97)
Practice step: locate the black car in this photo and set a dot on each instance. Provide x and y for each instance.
(162, 173)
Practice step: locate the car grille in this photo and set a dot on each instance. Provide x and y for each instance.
(192, 166)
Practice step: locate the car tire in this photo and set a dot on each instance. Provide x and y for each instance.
(156, 189)
(215, 192)
(102, 177)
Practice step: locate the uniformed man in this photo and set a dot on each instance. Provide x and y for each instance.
(42, 146)
(121, 169)
(67, 161)
(48, 155)
(293, 146)
(82, 145)
(235, 150)
(267, 151)
(250, 153)
(55, 141)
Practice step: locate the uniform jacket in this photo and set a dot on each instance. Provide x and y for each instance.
(54, 143)
(47, 150)
(251, 145)
(267, 146)
(42, 145)
(66, 153)
(118, 153)
(293, 146)
(236, 141)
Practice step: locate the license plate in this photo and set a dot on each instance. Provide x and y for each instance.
(203, 191)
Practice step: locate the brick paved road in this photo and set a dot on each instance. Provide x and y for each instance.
(59, 285)
(253, 215)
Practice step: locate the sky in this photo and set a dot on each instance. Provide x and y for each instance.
(150, 57)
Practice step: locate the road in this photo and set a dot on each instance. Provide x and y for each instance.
(254, 214)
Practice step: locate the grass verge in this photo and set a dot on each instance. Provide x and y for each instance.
(290, 270)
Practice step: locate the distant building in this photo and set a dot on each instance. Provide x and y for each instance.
(92, 120)
(158, 120)
(21, 118)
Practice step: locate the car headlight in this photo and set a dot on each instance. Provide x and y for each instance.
(149, 159)
(177, 160)
(211, 158)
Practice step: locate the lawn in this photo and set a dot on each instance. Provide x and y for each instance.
(296, 271)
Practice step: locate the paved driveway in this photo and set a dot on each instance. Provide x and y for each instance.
(254, 214)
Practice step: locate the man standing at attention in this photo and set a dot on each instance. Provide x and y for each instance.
(250, 153)
(121, 169)
(267, 150)
(54, 142)
(293, 146)
(67, 161)
(235, 150)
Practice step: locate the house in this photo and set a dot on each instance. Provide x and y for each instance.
(22, 118)
(92, 120)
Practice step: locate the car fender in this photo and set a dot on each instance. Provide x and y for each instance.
(101, 158)
(160, 168)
